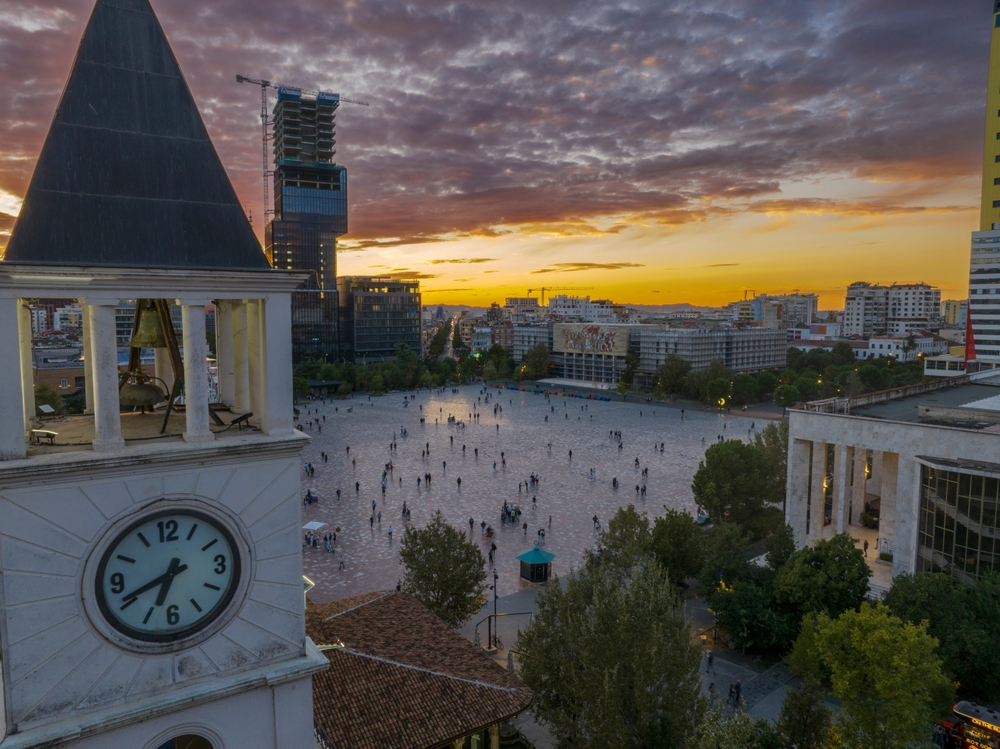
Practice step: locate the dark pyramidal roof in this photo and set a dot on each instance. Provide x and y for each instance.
(128, 175)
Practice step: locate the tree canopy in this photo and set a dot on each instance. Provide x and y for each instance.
(830, 577)
(612, 666)
(886, 674)
(443, 570)
(965, 620)
(735, 483)
(678, 543)
(535, 364)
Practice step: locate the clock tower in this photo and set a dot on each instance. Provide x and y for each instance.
(150, 560)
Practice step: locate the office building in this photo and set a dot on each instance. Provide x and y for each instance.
(743, 350)
(526, 337)
(378, 313)
(921, 459)
(310, 212)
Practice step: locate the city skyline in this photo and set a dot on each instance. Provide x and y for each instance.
(658, 155)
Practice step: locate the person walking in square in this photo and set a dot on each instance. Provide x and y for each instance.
(866, 547)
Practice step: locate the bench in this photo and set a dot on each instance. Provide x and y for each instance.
(37, 435)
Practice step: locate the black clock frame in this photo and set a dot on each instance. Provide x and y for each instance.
(205, 621)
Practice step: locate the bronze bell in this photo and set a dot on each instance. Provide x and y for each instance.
(148, 333)
(144, 394)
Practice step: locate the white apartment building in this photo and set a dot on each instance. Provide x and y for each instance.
(526, 337)
(899, 347)
(583, 309)
(984, 297)
(899, 309)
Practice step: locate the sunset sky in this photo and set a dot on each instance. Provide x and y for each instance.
(658, 151)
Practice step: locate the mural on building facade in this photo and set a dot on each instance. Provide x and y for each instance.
(590, 339)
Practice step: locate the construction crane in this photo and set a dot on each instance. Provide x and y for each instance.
(543, 289)
(266, 122)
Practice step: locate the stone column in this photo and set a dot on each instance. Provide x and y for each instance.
(224, 350)
(254, 360)
(875, 480)
(887, 504)
(88, 361)
(797, 489)
(276, 359)
(841, 488)
(858, 489)
(458, 743)
(27, 377)
(817, 492)
(12, 443)
(241, 374)
(907, 516)
(495, 736)
(195, 373)
(104, 372)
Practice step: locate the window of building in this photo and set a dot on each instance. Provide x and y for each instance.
(80, 382)
(64, 383)
(996, 203)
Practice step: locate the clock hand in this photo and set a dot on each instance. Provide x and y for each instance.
(174, 569)
(171, 571)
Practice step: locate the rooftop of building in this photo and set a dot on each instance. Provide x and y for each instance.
(400, 677)
(956, 402)
(126, 103)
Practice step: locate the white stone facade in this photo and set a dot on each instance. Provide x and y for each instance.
(69, 677)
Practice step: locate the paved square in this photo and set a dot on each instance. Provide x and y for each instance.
(525, 440)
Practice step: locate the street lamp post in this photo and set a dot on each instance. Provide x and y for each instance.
(495, 596)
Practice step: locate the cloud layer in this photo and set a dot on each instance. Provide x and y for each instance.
(566, 118)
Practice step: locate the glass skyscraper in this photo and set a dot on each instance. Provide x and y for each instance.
(310, 212)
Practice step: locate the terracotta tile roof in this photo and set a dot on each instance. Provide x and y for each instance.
(403, 678)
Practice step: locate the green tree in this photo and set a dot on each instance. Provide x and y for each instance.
(678, 543)
(716, 392)
(886, 674)
(344, 390)
(490, 371)
(735, 730)
(830, 577)
(300, 386)
(746, 608)
(780, 547)
(44, 395)
(535, 364)
(842, 354)
(443, 570)
(772, 443)
(458, 345)
(726, 556)
(669, 376)
(766, 383)
(436, 347)
(805, 719)
(612, 666)
(744, 389)
(734, 483)
(631, 366)
(786, 395)
(965, 620)
(627, 543)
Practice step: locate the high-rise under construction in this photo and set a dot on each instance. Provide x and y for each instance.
(310, 212)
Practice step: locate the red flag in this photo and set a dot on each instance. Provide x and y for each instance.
(970, 340)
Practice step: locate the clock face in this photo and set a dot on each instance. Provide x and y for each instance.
(167, 575)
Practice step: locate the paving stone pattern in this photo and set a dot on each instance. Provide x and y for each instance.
(566, 492)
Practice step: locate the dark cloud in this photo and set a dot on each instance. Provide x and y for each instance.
(720, 265)
(575, 267)
(563, 117)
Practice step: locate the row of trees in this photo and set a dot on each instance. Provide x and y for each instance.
(611, 661)
(809, 375)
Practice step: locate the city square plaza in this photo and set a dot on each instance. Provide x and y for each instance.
(537, 434)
